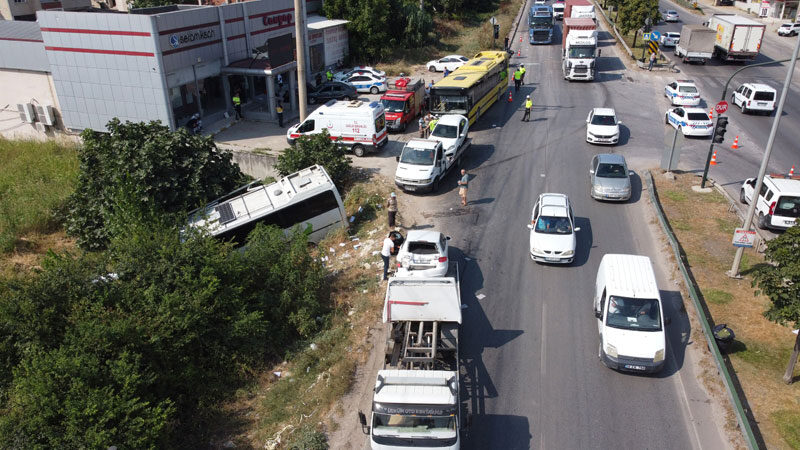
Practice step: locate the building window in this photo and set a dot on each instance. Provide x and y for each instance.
(19, 1)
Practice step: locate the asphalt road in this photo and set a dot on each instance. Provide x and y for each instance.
(532, 377)
(753, 130)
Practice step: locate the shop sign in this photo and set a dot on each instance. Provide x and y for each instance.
(176, 40)
(278, 19)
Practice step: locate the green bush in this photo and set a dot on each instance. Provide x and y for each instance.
(316, 149)
(308, 438)
(147, 167)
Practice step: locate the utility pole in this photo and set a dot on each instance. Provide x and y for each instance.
(300, 43)
(748, 218)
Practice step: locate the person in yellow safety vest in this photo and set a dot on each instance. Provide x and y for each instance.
(528, 104)
(237, 105)
(329, 75)
(522, 69)
(517, 79)
(434, 121)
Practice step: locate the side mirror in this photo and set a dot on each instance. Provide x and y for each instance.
(631, 173)
(362, 419)
(587, 120)
(397, 158)
(591, 171)
(597, 314)
(619, 122)
(577, 229)
(530, 226)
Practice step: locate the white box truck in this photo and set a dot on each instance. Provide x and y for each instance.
(358, 125)
(696, 44)
(416, 403)
(738, 38)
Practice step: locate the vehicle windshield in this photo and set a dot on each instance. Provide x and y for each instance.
(445, 131)
(764, 96)
(627, 313)
(417, 156)
(603, 120)
(581, 52)
(672, 13)
(558, 7)
(788, 206)
(688, 89)
(449, 104)
(393, 105)
(702, 117)
(611, 171)
(553, 225)
(541, 20)
(441, 427)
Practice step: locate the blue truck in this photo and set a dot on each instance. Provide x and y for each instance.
(540, 24)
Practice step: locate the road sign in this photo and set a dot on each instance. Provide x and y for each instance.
(646, 36)
(653, 45)
(721, 107)
(744, 238)
(655, 35)
(493, 21)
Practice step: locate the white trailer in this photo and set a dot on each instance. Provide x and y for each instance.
(416, 402)
(696, 44)
(737, 38)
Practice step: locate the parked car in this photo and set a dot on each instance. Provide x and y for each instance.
(682, 92)
(670, 39)
(602, 126)
(343, 75)
(752, 97)
(778, 204)
(367, 82)
(689, 121)
(332, 90)
(671, 16)
(449, 62)
(789, 29)
(552, 237)
(609, 177)
(424, 253)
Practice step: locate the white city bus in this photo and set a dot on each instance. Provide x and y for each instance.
(307, 198)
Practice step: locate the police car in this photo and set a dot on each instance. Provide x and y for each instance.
(689, 121)
(682, 92)
(367, 82)
(341, 76)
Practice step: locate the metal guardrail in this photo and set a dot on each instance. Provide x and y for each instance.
(722, 368)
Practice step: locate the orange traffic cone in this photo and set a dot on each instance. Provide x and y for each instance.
(711, 114)
(519, 52)
(510, 99)
(735, 143)
(714, 158)
(520, 38)
(791, 171)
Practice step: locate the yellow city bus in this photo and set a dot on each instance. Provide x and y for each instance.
(472, 88)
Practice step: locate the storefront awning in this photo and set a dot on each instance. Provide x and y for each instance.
(257, 67)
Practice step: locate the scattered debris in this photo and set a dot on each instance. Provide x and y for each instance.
(313, 346)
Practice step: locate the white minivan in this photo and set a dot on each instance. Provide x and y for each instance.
(778, 204)
(359, 125)
(629, 314)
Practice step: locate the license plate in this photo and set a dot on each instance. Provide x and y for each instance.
(762, 103)
(788, 222)
(609, 196)
(634, 367)
(553, 259)
(411, 188)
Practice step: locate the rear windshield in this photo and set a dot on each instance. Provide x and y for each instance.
(764, 96)
(603, 120)
(611, 171)
(422, 248)
(445, 131)
(698, 116)
(380, 123)
(689, 89)
(788, 206)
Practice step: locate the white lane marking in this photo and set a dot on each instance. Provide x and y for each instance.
(685, 399)
(480, 296)
(542, 370)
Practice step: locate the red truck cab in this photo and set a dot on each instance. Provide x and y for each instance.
(403, 102)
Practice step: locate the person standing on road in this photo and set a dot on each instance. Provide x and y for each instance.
(446, 72)
(522, 70)
(652, 60)
(237, 105)
(422, 126)
(386, 253)
(462, 187)
(517, 79)
(528, 104)
(427, 124)
(329, 75)
(391, 209)
(432, 124)
(279, 110)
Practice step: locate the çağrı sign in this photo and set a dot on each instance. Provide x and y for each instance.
(744, 238)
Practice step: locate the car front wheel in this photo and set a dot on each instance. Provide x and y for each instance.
(432, 68)
(358, 150)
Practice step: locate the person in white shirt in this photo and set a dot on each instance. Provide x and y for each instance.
(386, 252)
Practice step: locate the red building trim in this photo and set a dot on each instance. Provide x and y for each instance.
(94, 50)
(19, 39)
(238, 36)
(235, 19)
(51, 5)
(108, 32)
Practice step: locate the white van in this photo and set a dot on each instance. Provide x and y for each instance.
(360, 126)
(753, 97)
(778, 203)
(629, 314)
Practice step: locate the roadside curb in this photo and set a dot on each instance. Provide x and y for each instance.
(722, 367)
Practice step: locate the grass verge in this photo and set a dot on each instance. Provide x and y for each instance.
(762, 347)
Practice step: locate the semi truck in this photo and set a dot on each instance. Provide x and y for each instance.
(540, 24)
(579, 9)
(579, 49)
(416, 401)
(403, 102)
(696, 44)
(737, 38)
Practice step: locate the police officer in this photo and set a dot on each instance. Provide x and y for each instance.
(522, 70)
(279, 110)
(237, 104)
(329, 75)
(433, 122)
(528, 104)
(517, 79)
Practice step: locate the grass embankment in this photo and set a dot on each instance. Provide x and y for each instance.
(762, 347)
(35, 179)
(461, 36)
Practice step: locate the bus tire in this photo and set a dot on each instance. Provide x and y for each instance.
(358, 150)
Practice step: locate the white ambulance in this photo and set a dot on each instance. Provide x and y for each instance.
(357, 124)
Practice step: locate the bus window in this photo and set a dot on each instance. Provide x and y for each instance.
(308, 209)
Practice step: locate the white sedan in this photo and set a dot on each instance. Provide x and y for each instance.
(553, 230)
(670, 39)
(341, 76)
(689, 121)
(423, 253)
(366, 82)
(682, 92)
(449, 62)
(602, 126)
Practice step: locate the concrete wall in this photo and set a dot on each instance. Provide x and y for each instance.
(10, 9)
(21, 46)
(336, 45)
(29, 87)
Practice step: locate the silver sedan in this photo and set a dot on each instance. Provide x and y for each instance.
(610, 178)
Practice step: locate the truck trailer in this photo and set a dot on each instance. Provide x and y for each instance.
(696, 44)
(738, 38)
(416, 400)
(579, 49)
(579, 9)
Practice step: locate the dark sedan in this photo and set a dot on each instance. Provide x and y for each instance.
(331, 90)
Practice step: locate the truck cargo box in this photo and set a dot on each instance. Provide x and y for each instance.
(571, 23)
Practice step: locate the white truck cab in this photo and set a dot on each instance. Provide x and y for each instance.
(778, 204)
(629, 313)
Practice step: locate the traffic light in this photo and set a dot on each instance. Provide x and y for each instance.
(496, 31)
(719, 131)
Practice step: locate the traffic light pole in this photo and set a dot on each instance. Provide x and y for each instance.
(748, 218)
(724, 93)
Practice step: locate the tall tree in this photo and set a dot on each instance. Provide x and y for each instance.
(632, 14)
(780, 281)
